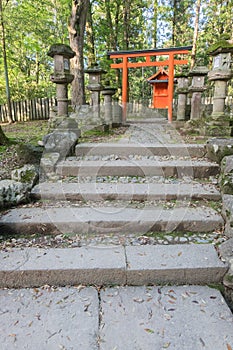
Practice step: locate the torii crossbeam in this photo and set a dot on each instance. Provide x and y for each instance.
(170, 62)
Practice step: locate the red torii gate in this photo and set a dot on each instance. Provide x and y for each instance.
(146, 55)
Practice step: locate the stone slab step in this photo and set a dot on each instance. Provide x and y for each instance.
(173, 168)
(107, 265)
(91, 220)
(187, 318)
(118, 191)
(125, 149)
(148, 318)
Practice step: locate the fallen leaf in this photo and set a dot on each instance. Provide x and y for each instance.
(148, 330)
(138, 300)
(180, 253)
(229, 347)
(166, 345)
(202, 341)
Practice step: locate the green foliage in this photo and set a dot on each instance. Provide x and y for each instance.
(32, 26)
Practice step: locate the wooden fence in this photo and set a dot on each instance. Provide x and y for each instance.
(35, 109)
(136, 107)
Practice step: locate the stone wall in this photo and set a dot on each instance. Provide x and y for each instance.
(221, 150)
(17, 190)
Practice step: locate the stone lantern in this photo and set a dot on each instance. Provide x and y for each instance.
(182, 91)
(108, 92)
(220, 74)
(198, 74)
(61, 77)
(95, 86)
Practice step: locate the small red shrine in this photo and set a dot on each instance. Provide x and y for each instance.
(159, 81)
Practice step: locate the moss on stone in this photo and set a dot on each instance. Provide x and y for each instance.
(222, 43)
(27, 176)
(226, 184)
(228, 278)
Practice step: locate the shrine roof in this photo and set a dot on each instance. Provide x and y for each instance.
(168, 49)
(161, 71)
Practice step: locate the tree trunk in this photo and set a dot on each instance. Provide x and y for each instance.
(112, 42)
(174, 23)
(76, 29)
(3, 139)
(126, 21)
(90, 38)
(155, 23)
(8, 95)
(195, 34)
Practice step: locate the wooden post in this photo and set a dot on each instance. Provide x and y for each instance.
(170, 86)
(124, 87)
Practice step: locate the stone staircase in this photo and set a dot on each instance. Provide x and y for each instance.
(147, 216)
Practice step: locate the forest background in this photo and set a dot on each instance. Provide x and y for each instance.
(92, 28)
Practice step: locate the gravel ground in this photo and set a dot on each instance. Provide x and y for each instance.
(64, 241)
(131, 157)
(135, 179)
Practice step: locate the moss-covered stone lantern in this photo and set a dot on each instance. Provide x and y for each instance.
(182, 92)
(61, 77)
(220, 74)
(94, 86)
(198, 74)
(108, 92)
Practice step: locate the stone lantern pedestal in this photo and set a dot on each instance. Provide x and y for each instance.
(182, 91)
(95, 87)
(219, 123)
(198, 74)
(108, 92)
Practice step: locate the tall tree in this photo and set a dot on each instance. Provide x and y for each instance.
(77, 25)
(90, 39)
(195, 33)
(3, 37)
(3, 139)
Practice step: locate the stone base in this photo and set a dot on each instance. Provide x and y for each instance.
(218, 130)
(218, 124)
(178, 124)
(218, 148)
(193, 126)
(116, 125)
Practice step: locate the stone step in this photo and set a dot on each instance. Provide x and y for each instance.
(173, 168)
(106, 220)
(107, 265)
(157, 120)
(124, 318)
(176, 318)
(119, 191)
(125, 149)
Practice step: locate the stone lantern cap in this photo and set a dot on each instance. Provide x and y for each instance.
(61, 50)
(198, 71)
(109, 90)
(95, 70)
